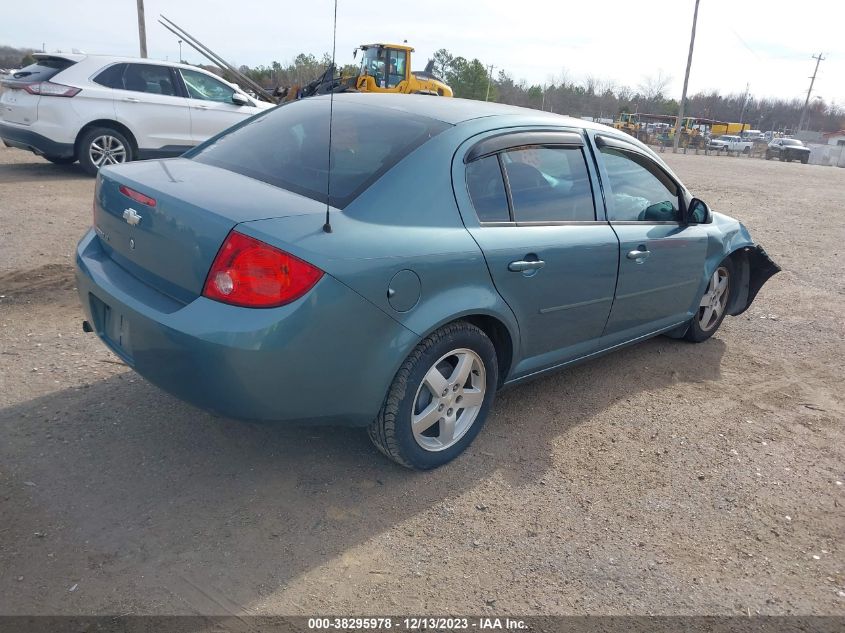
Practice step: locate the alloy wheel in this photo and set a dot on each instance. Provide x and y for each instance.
(715, 299)
(448, 400)
(107, 150)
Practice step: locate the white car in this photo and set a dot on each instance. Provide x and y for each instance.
(103, 110)
(730, 143)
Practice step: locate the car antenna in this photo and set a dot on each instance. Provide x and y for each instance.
(327, 227)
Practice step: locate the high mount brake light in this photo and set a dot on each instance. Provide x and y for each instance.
(49, 89)
(137, 196)
(249, 273)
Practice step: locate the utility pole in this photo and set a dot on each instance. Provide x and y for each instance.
(744, 105)
(142, 28)
(489, 79)
(677, 135)
(180, 51)
(819, 59)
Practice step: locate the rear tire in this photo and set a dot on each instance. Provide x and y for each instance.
(805, 160)
(421, 429)
(101, 146)
(713, 305)
(61, 160)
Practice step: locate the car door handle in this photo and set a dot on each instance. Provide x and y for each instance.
(638, 254)
(201, 107)
(523, 265)
(131, 99)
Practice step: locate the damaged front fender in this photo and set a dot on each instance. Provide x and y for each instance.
(754, 268)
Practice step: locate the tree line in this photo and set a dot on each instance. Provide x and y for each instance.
(590, 96)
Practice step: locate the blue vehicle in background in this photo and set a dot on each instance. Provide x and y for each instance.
(468, 246)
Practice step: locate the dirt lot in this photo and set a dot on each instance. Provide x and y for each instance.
(668, 478)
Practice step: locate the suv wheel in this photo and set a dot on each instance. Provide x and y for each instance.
(102, 146)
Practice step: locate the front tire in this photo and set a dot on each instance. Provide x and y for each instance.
(439, 398)
(102, 146)
(713, 306)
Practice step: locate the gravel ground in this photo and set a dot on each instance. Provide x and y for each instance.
(664, 479)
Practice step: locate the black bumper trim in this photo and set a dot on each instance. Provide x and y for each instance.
(32, 141)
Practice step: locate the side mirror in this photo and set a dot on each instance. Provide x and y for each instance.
(239, 99)
(697, 212)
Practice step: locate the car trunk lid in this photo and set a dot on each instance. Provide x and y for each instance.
(171, 243)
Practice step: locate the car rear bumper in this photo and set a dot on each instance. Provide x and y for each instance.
(327, 358)
(22, 138)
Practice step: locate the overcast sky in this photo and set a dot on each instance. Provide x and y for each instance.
(760, 42)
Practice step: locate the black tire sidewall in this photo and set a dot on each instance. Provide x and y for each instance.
(470, 338)
(85, 143)
(695, 333)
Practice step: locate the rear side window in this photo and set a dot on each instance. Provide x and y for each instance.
(487, 190)
(549, 184)
(112, 77)
(43, 69)
(288, 147)
(149, 78)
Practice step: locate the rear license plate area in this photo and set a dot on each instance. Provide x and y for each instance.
(113, 327)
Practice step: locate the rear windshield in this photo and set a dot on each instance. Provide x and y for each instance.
(288, 147)
(789, 141)
(42, 70)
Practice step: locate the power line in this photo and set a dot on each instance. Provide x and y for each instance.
(819, 59)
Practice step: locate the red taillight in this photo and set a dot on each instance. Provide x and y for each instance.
(137, 196)
(49, 89)
(249, 273)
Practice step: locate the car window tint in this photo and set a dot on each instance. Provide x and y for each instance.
(487, 190)
(43, 69)
(149, 78)
(549, 184)
(288, 147)
(201, 86)
(638, 189)
(111, 77)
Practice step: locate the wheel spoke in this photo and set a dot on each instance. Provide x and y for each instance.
(722, 285)
(705, 300)
(714, 280)
(447, 431)
(436, 382)
(717, 310)
(427, 418)
(705, 318)
(461, 372)
(472, 398)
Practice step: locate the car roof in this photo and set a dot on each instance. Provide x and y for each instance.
(110, 59)
(455, 111)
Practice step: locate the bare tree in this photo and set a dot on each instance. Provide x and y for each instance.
(654, 88)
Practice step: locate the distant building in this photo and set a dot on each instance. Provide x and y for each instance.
(835, 138)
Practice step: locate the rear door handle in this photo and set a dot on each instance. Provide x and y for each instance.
(131, 99)
(523, 265)
(639, 254)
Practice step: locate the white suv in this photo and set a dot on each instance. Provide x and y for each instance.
(104, 110)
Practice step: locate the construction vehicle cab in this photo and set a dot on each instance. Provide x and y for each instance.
(387, 68)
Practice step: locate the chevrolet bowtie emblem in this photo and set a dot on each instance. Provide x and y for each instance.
(132, 217)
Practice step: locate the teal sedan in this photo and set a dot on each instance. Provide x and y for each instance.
(398, 275)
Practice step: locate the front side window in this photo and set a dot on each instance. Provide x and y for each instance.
(396, 68)
(639, 190)
(549, 184)
(149, 78)
(201, 86)
(487, 190)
